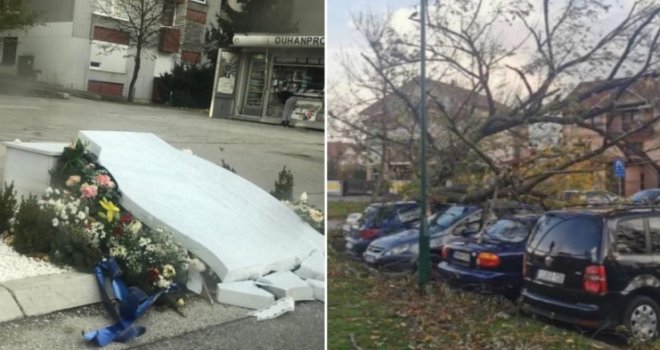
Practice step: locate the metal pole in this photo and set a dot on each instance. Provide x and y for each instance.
(215, 83)
(424, 262)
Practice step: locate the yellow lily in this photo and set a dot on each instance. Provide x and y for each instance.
(111, 209)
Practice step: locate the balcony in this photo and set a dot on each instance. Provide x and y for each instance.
(170, 39)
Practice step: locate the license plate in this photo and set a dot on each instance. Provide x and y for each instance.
(550, 276)
(349, 245)
(369, 258)
(463, 256)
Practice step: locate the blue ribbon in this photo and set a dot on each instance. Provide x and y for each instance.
(134, 303)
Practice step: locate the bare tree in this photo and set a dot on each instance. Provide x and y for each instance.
(13, 15)
(511, 81)
(141, 21)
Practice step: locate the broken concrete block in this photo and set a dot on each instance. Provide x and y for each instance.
(313, 267)
(286, 284)
(239, 230)
(244, 294)
(318, 287)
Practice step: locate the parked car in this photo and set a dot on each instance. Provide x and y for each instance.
(596, 268)
(399, 251)
(492, 260)
(351, 223)
(649, 196)
(592, 197)
(380, 220)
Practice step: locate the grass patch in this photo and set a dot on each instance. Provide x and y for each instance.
(341, 209)
(369, 310)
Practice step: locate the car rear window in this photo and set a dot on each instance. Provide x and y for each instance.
(449, 217)
(576, 235)
(376, 215)
(508, 231)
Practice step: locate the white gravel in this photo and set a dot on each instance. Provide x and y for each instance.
(15, 266)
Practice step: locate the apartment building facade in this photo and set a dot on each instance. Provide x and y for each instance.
(633, 108)
(78, 46)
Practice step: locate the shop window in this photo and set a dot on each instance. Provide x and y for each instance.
(9, 50)
(294, 79)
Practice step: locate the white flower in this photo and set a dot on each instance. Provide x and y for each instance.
(303, 197)
(316, 215)
(168, 271)
(135, 227)
(163, 283)
(57, 192)
(118, 251)
(143, 242)
(49, 191)
(81, 215)
(55, 222)
(63, 215)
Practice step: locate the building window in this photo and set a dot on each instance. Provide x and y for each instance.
(105, 88)
(641, 180)
(632, 120)
(169, 14)
(9, 49)
(110, 8)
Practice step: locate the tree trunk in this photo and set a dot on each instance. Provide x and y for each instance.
(136, 71)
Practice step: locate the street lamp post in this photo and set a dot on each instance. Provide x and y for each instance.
(424, 261)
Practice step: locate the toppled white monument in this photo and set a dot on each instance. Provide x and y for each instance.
(240, 231)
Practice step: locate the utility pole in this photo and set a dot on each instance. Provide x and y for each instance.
(424, 263)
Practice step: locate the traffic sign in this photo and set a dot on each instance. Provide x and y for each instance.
(619, 168)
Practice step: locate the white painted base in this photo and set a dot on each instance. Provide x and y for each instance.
(27, 165)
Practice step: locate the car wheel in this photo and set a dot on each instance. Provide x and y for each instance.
(641, 318)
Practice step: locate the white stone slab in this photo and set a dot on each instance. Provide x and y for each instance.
(244, 294)
(286, 284)
(44, 294)
(313, 267)
(238, 229)
(27, 165)
(9, 310)
(318, 287)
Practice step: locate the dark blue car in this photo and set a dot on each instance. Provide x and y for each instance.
(379, 220)
(399, 251)
(492, 261)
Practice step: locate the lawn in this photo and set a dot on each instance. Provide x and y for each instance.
(340, 209)
(371, 310)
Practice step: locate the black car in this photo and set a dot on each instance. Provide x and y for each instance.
(379, 220)
(491, 261)
(596, 268)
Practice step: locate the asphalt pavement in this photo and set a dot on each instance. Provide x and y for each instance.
(257, 151)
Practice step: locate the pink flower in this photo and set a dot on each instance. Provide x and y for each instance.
(88, 191)
(104, 181)
(72, 180)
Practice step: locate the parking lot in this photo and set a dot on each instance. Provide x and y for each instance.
(257, 151)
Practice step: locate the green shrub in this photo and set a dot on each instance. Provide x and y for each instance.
(71, 247)
(186, 85)
(283, 186)
(33, 229)
(7, 206)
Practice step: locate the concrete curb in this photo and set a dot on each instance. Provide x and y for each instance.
(46, 294)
